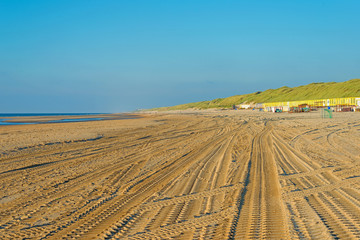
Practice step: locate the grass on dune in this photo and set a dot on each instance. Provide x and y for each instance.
(349, 88)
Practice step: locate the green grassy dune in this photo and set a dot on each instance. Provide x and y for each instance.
(349, 88)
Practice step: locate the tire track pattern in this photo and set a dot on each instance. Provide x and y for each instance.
(209, 176)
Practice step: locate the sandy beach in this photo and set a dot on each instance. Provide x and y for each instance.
(183, 175)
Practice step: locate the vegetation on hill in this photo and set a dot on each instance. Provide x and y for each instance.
(349, 88)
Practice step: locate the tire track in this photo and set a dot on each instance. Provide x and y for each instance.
(192, 176)
(258, 217)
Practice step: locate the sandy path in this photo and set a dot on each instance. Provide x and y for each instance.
(190, 175)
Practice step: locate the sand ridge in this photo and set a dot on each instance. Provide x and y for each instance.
(183, 175)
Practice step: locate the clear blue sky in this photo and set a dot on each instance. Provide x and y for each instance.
(114, 56)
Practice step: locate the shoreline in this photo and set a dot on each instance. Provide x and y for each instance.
(26, 120)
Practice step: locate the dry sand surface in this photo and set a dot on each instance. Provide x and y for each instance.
(183, 175)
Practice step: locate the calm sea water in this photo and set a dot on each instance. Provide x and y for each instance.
(5, 116)
(2, 115)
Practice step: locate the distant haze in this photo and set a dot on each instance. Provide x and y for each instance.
(115, 56)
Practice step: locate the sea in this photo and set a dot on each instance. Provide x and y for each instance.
(5, 116)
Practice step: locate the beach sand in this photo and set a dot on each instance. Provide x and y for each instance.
(183, 175)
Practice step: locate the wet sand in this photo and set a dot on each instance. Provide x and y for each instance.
(183, 175)
(59, 118)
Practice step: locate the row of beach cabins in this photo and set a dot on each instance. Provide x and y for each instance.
(349, 104)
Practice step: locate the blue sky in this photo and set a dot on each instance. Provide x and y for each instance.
(115, 56)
